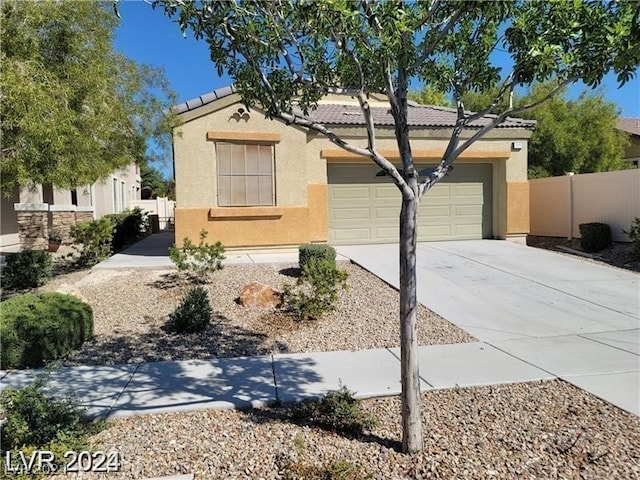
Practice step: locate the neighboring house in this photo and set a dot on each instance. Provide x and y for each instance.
(111, 195)
(253, 182)
(632, 127)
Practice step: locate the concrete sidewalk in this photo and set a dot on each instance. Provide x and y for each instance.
(153, 252)
(132, 389)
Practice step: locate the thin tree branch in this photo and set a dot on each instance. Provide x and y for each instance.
(441, 34)
(432, 10)
(503, 116)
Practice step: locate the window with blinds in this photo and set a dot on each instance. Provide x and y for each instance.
(245, 175)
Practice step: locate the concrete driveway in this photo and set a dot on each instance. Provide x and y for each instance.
(577, 320)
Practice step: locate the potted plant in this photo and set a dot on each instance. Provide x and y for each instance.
(55, 239)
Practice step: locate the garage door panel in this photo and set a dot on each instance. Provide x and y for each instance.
(364, 208)
(440, 231)
(351, 213)
(350, 235)
(348, 192)
(387, 233)
(386, 193)
(475, 210)
(468, 190)
(433, 211)
(386, 213)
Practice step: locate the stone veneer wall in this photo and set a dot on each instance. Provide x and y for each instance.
(34, 221)
(33, 225)
(61, 221)
(84, 215)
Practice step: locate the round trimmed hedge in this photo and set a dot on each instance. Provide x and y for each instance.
(38, 327)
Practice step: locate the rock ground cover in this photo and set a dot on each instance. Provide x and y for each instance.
(131, 309)
(618, 254)
(532, 430)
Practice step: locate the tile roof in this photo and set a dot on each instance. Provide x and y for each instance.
(418, 116)
(345, 115)
(629, 125)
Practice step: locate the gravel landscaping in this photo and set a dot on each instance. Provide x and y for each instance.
(131, 308)
(618, 254)
(544, 429)
(533, 430)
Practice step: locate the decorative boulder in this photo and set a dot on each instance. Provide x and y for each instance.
(256, 294)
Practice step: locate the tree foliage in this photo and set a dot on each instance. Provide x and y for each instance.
(576, 135)
(152, 182)
(73, 109)
(285, 55)
(429, 96)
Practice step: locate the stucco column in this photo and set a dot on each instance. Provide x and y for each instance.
(33, 225)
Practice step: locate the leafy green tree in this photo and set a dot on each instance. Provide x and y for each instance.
(429, 96)
(285, 55)
(577, 136)
(153, 181)
(73, 109)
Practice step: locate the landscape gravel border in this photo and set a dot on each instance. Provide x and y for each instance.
(131, 309)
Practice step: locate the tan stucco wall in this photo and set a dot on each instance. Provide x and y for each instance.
(301, 176)
(518, 208)
(195, 157)
(258, 226)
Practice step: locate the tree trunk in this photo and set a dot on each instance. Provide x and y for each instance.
(411, 402)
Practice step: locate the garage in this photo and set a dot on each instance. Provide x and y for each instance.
(364, 207)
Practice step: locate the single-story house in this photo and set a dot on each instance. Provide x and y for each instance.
(31, 211)
(631, 126)
(251, 182)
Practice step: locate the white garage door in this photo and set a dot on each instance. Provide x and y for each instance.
(365, 208)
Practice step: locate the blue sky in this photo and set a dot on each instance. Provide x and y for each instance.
(148, 36)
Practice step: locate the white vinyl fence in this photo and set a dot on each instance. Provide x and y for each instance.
(559, 204)
(162, 207)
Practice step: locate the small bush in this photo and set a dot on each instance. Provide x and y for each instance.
(317, 289)
(38, 327)
(95, 240)
(634, 236)
(338, 411)
(594, 236)
(315, 251)
(27, 269)
(35, 421)
(341, 470)
(193, 314)
(199, 260)
(128, 226)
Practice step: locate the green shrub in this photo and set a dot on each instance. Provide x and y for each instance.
(341, 470)
(594, 236)
(338, 411)
(128, 226)
(27, 269)
(199, 260)
(35, 421)
(316, 292)
(634, 236)
(39, 327)
(193, 314)
(95, 240)
(315, 251)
